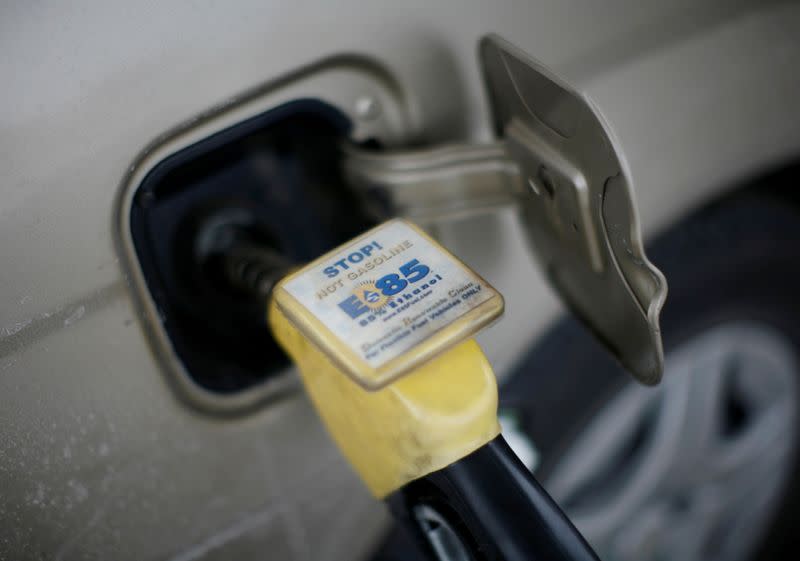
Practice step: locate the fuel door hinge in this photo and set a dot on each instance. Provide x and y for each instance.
(557, 162)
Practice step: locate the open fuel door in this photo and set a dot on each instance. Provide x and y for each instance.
(556, 160)
(578, 206)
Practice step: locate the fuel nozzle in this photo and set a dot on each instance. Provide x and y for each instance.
(381, 332)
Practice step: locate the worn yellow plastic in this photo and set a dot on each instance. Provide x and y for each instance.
(420, 423)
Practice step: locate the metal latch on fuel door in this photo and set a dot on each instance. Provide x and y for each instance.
(556, 160)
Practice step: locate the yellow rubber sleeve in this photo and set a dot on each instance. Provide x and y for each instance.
(422, 422)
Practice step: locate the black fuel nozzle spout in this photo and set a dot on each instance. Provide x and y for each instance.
(253, 270)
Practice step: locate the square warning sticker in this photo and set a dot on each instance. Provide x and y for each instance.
(383, 296)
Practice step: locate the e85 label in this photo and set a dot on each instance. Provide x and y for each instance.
(388, 291)
(372, 296)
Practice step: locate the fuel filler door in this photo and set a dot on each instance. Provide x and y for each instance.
(556, 160)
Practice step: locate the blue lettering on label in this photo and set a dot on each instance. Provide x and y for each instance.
(353, 307)
(389, 286)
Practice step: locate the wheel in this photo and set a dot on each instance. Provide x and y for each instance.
(703, 467)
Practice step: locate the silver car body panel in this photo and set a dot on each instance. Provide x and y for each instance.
(99, 459)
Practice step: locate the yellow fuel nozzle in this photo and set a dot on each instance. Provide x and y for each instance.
(420, 423)
(380, 332)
